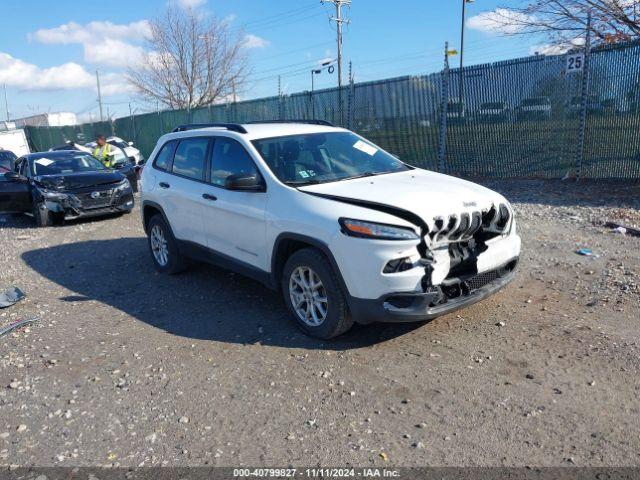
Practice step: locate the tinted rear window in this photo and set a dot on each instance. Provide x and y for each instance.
(190, 156)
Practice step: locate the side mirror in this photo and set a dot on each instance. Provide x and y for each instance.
(248, 183)
(15, 177)
(130, 144)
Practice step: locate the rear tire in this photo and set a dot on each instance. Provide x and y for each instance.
(314, 295)
(163, 247)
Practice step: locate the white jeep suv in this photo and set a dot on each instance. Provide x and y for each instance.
(345, 230)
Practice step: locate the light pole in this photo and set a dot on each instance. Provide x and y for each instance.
(317, 71)
(461, 73)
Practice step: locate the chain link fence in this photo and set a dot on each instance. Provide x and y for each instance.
(517, 118)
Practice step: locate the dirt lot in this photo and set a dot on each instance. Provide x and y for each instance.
(126, 367)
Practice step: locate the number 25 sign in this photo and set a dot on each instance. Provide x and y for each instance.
(575, 62)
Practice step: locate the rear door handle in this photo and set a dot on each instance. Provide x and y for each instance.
(206, 196)
(164, 185)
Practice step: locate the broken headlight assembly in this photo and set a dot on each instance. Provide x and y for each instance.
(122, 186)
(376, 231)
(52, 195)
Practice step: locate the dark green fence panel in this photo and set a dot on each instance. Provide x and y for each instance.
(517, 118)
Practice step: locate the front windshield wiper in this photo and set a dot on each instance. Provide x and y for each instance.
(361, 175)
(299, 183)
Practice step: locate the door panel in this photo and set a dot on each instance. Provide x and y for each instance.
(15, 197)
(234, 223)
(181, 191)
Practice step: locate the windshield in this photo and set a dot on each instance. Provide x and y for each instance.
(119, 143)
(56, 165)
(324, 157)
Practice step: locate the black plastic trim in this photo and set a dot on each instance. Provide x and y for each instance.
(314, 242)
(199, 252)
(310, 122)
(234, 127)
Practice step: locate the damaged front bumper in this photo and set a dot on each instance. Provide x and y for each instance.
(448, 297)
(413, 281)
(83, 205)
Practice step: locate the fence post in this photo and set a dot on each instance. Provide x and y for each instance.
(444, 103)
(584, 94)
(350, 98)
(279, 98)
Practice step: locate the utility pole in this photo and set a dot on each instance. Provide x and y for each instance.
(339, 21)
(584, 97)
(461, 73)
(444, 101)
(6, 102)
(99, 95)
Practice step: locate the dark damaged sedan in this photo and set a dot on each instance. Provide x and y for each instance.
(64, 185)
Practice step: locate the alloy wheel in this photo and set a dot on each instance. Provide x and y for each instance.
(308, 296)
(159, 246)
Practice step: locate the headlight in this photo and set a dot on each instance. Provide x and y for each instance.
(123, 185)
(380, 231)
(51, 195)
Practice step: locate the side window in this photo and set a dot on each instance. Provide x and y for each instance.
(163, 159)
(189, 157)
(229, 158)
(21, 167)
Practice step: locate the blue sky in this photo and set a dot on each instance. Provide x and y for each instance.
(49, 50)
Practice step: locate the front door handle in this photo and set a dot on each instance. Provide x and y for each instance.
(164, 185)
(206, 196)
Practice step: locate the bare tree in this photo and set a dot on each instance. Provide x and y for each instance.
(562, 21)
(193, 61)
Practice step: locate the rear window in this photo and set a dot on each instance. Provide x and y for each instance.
(189, 158)
(163, 159)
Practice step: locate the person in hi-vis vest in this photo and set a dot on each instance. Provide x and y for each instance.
(103, 151)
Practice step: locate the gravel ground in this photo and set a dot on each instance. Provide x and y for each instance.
(127, 367)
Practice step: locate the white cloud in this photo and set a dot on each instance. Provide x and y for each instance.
(254, 41)
(500, 20)
(21, 74)
(92, 32)
(103, 42)
(68, 76)
(113, 53)
(190, 4)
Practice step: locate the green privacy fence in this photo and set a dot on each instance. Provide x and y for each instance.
(515, 118)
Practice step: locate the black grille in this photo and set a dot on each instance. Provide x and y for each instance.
(102, 200)
(478, 281)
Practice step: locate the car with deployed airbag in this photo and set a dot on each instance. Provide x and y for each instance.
(63, 185)
(346, 231)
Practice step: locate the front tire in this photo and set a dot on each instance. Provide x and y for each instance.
(163, 247)
(314, 295)
(42, 216)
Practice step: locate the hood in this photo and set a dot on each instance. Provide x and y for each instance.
(421, 192)
(74, 181)
(131, 151)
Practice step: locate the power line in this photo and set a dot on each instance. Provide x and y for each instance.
(283, 54)
(287, 13)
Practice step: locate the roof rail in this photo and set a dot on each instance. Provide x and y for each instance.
(312, 122)
(234, 127)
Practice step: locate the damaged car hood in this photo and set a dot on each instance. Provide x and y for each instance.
(74, 181)
(420, 192)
